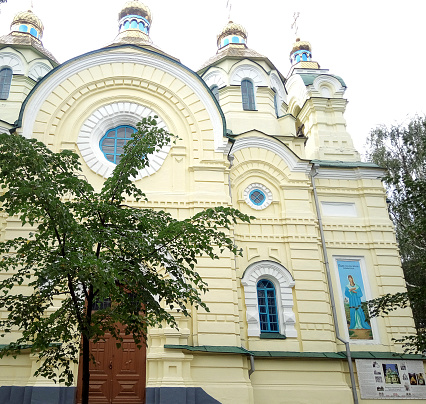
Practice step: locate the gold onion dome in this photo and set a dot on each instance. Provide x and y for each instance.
(301, 45)
(232, 33)
(135, 7)
(27, 21)
(301, 52)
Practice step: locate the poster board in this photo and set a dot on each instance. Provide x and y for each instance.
(391, 379)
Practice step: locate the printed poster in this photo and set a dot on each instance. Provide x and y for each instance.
(391, 379)
(353, 292)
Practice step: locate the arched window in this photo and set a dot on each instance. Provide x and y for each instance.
(23, 28)
(215, 91)
(267, 304)
(304, 57)
(235, 39)
(134, 24)
(276, 104)
(226, 42)
(269, 300)
(112, 143)
(247, 92)
(33, 32)
(5, 82)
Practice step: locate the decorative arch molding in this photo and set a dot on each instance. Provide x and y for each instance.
(215, 78)
(248, 72)
(278, 86)
(38, 70)
(283, 282)
(109, 56)
(283, 152)
(324, 82)
(108, 117)
(12, 60)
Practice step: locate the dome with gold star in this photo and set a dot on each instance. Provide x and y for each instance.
(28, 22)
(232, 33)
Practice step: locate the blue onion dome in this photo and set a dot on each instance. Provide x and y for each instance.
(27, 22)
(301, 52)
(232, 33)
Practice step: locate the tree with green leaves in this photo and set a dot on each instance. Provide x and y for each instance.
(401, 150)
(91, 246)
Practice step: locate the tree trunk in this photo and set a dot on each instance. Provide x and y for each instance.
(86, 372)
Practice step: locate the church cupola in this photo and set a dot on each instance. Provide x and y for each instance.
(301, 56)
(134, 24)
(27, 22)
(232, 33)
(135, 16)
(301, 52)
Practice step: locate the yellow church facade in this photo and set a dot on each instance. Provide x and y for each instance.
(286, 323)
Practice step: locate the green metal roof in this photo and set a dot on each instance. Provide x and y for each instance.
(211, 348)
(344, 164)
(289, 354)
(308, 78)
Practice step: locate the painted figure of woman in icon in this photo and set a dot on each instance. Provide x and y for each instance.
(353, 293)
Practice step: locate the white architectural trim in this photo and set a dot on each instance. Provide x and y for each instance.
(355, 173)
(278, 86)
(338, 209)
(108, 117)
(109, 56)
(330, 83)
(266, 191)
(38, 70)
(246, 71)
(3, 129)
(283, 282)
(291, 160)
(215, 78)
(13, 61)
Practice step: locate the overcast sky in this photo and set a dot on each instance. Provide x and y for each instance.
(376, 46)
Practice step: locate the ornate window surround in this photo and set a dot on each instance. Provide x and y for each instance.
(110, 116)
(266, 191)
(283, 282)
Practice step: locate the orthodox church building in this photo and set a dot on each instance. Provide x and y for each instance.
(286, 321)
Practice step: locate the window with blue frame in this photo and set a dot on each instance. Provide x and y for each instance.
(267, 303)
(112, 143)
(5, 82)
(257, 196)
(247, 92)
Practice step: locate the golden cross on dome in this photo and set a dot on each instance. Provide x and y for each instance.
(294, 25)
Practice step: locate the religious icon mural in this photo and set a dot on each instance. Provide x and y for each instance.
(353, 292)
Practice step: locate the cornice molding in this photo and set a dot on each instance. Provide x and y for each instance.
(110, 56)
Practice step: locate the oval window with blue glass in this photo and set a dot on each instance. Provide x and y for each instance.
(258, 196)
(112, 143)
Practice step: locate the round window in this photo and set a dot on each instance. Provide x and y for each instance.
(257, 196)
(112, 143)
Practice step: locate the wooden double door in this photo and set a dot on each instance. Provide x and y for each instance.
(118, 375)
